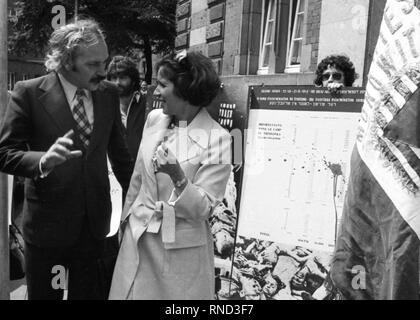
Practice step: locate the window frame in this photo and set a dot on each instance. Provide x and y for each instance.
(291, 39)
(266, 19)
(293, 16)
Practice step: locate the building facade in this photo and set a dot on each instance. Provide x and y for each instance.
(21, 68)
(279, 41)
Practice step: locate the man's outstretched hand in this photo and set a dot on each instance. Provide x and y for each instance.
(59, 153)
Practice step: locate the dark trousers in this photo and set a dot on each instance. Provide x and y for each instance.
(89, 264)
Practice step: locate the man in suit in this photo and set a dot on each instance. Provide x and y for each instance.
(143, 88)
(123, 72)
(57, 133)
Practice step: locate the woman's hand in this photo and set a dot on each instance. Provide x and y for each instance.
(335, 87)
(165, 161)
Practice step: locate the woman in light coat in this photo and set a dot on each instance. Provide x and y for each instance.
(181, 171)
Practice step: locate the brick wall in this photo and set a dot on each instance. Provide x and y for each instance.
(183, 24)
(201, 27)
(313, 23)
(215, 32)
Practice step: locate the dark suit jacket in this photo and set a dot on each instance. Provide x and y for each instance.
(55, 207)
(135, 124)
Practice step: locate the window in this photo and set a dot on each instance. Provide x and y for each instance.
(269, 15)
(26, 77)
(281, 35)
(296, 26)
(11, 80)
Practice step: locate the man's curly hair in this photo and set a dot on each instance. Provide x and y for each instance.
(126, 66)
(339, 62)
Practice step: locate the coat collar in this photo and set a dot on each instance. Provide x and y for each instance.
(55, 103)
(202, 122)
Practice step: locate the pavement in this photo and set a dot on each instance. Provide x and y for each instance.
(18, 290)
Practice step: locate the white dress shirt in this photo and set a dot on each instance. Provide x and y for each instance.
(70, 92)
(124, 116)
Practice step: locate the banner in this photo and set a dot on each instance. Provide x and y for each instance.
(381, 218)
(298, 147)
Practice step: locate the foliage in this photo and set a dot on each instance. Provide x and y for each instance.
(133, 27)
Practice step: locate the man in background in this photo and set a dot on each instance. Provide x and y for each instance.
(124, 73)
(143, 88)
(335, 72)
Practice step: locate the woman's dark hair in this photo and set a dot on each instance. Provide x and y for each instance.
(339, 62)
(193, 75)
(125, 66)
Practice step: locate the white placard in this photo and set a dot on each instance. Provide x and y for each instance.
(288, 184)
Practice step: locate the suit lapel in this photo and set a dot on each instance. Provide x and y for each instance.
(99, 111)
(137, 110)
(55, 103)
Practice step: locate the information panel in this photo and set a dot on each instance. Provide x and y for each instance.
(298, 149)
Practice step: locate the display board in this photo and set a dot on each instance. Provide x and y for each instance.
(298, 149)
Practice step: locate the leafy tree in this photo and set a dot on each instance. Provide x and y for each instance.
(133, 27)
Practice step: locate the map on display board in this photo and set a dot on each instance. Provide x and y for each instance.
(297, 156)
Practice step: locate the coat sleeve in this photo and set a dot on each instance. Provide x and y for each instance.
(207, 188)
(136, 178)
(120, 158)
(15, 133)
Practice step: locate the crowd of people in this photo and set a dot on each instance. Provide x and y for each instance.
(180, 195)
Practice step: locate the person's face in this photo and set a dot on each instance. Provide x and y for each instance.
(298, 280)
(251, 289)
(223, 239)
(144, 86)
(270, 287)
(172, 104)
(332, 75)
(123, 82)
(259, 246)
(88, 67)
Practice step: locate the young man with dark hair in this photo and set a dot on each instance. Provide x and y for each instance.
(124, 73)
(335, 72)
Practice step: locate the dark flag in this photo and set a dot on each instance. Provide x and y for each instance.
(377, 251)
